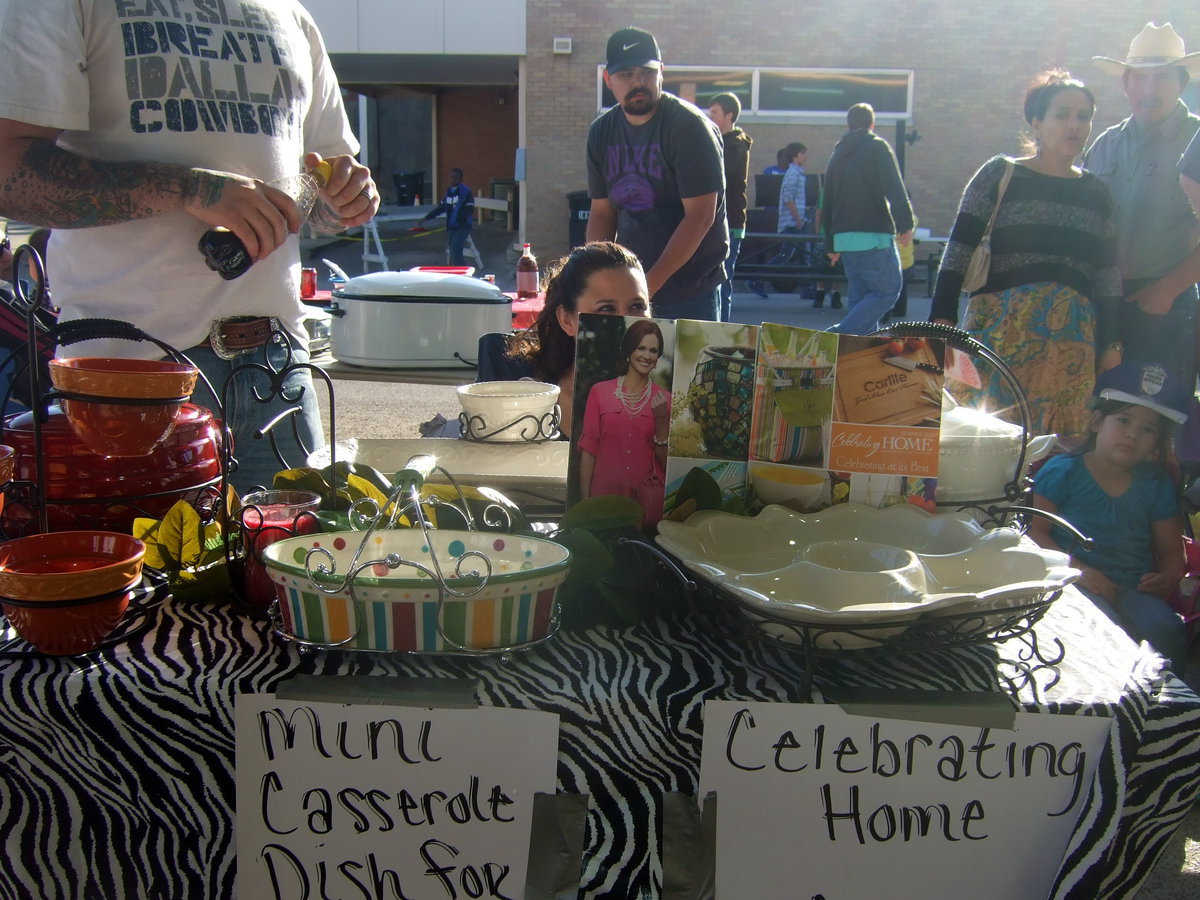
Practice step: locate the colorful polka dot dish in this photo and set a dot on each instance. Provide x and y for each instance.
(396, 608)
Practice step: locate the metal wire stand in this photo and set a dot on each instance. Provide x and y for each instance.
(829, 642)
(405, 500)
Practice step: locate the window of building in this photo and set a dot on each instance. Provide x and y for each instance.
(789, 95)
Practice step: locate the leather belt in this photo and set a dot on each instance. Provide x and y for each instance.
(239, 335)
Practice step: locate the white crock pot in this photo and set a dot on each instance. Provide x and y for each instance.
(415, 319)
(978, 454)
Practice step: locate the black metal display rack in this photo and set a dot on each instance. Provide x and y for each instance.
(207, 497)
(914, 634)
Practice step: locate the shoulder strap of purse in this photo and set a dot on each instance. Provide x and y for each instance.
(1009, 165)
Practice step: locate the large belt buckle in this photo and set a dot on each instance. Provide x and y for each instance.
(217, 343)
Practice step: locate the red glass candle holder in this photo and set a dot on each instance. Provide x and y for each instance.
(267, 517)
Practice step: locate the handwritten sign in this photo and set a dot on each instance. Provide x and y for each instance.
(812, 801)
(335, 800)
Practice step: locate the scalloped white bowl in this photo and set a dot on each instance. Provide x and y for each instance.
(502, 411)
(853, 565)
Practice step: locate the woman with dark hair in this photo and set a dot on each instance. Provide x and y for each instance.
(623, 447)
(600, 277)
(1053, 284)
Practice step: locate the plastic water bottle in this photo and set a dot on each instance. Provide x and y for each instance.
(224, 251)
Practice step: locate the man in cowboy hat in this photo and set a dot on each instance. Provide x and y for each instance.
(1156, 228)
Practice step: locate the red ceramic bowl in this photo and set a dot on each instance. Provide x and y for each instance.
(188, 459)
(65, 592)
(70, 629)
(154, 391)
(118, 429)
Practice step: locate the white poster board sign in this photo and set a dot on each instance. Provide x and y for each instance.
(812, 801)
(338, 800)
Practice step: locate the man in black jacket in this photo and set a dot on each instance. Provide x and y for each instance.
(865, 213)
(724, 110)
(459, 205)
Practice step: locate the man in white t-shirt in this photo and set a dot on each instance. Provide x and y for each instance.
(131, 129)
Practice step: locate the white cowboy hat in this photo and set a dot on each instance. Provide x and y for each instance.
(1155, 45)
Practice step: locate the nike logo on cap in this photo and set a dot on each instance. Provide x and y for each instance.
(625, 47)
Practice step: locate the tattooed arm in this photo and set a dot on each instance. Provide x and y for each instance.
(42, 184)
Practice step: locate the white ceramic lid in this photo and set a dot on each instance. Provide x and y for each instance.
(419, 286)
(962, 421)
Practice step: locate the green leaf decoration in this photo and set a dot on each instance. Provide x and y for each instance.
(233, 503)
(337, 474)
(213, 539)
(602, 513)
(590, 557)
(735, 506)
(190, 553)
(358, 487)
(304, 479)
(626, 603)
(478, 499)
(181, 534)
(201, 584)
(700, 486)
(146, 531)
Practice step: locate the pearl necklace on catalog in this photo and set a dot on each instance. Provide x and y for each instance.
(634, 403)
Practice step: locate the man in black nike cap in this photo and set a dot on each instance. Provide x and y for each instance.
(657, 183)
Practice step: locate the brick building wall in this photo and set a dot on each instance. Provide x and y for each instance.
(971, 64)
(477, 133)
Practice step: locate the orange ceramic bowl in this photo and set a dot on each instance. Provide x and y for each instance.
(65, 592)
(69, 565)
(155, 390)
(145, 379)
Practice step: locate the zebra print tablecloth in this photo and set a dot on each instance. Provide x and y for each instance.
(118, 768)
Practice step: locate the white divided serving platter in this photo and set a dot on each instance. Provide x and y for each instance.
(853, 565)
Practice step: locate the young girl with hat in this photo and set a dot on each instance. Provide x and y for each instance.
(1116, 491)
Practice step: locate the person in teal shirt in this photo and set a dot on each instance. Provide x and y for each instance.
(865, 213)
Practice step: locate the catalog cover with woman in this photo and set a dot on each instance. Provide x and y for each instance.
(770, 413)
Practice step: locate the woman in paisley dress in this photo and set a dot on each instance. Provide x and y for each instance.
(1053, 284)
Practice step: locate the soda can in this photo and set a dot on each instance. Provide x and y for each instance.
(308, 283)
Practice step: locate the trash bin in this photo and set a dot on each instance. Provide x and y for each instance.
(408, 186)
(580, 205)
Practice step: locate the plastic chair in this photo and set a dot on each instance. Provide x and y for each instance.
(494, 363)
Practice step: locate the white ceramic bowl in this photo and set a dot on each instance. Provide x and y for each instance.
(792, 485)
(845, 577)
(509, 410)
(978, 453)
